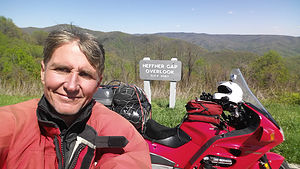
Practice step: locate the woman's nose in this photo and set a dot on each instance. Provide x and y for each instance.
(71, 83)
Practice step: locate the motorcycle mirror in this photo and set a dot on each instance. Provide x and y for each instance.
(233, 77)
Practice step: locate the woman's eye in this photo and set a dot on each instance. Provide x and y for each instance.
(84, 74)
(65, 70)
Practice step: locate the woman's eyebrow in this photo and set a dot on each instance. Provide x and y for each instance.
(54, 65)
(80, 70)
(87, 71)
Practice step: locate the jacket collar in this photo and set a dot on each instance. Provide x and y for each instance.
(51, 124)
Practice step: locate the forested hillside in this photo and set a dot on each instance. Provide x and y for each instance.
(285, 45)
(203, 66)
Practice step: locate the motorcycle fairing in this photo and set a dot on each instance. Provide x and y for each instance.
(157, 159)
(246, 131)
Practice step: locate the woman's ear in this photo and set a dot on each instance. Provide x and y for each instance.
(100, 80)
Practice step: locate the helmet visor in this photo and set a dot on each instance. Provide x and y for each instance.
(224, 89)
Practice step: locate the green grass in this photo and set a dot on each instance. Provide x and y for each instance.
(288, 117)
(7, 100)
(165, 115)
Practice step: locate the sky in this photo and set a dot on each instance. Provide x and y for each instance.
(245, 17)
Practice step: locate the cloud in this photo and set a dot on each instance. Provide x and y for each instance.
(230, 12)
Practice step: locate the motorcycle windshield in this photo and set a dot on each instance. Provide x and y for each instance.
(248, 97)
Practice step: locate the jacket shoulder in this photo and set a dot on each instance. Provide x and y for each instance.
(105, 120)
(110, 123)
(19, 114)
(14, 119)
(99, 110)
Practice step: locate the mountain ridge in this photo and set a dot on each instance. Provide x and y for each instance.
(285, 45)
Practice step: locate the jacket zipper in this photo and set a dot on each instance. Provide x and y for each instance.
(63, 153)
(59, 152)
(73, 162)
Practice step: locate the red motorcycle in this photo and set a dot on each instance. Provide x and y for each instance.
(229, 129)
(242, 138)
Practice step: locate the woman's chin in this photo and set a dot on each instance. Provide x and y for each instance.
(67, 109)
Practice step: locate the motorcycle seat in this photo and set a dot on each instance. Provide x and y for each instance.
(171, 137)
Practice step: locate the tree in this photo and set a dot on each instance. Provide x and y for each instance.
(39, 37)
(8, 28)
(269, 70)
(190, 64)
(19, 61)
(191, 61)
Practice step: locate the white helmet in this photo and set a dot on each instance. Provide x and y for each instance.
(231, 90)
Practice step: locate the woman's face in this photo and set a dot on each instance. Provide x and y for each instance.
(69, 79)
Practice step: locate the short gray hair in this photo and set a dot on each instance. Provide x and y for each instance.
(87, 43)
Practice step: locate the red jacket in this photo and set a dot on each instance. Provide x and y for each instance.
(31, 137)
